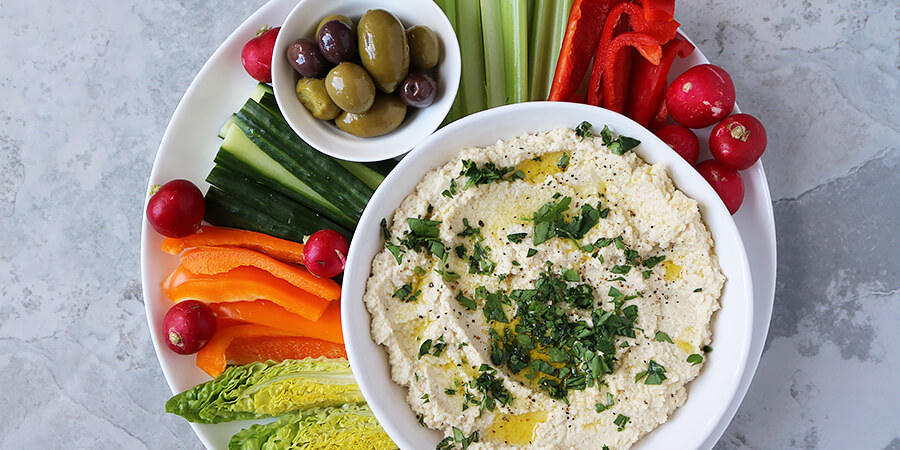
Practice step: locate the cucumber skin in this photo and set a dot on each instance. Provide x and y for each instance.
(256, 203)
(320, 172)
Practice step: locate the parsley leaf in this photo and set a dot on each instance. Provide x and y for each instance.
(466, 301)
(620, 269)
(610, 401)
(515, 238)
(663, 337)
(655, 374)
(620, 145)
(695, 359)
(406, 294)
(480, 262)
(563, 162)
(583, 130)
(452, 190)
(484, 175)
(621, 421)
(653, 260)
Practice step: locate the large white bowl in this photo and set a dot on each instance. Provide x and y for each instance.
(709, 395)
(325, 136)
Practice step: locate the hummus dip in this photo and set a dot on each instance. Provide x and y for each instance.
(549, 291)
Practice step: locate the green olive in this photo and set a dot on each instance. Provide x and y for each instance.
(383, 48)
(385, 116)
(424, 48)
(350, 87)
(312, 94)
(344, 19)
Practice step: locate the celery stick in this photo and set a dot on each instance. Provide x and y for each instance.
(515, 49)
(560, 20)
(494, 64)
(539, 51)
(472, 48)
(449, 8)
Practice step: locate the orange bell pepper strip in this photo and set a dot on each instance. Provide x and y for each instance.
(280, 249)
(212, 357)
(649, 82)
(242, 284)
(264, 312)
(213, 260)
(245, 350)
(586, 20)
(614, 87)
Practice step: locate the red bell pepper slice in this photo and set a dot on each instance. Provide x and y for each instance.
(661, 31)
(614, 87)
(659, 120)
(659, 9)
(649, 81)
(586, 21)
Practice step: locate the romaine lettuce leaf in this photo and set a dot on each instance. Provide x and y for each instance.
(263, 389)
(348, 427)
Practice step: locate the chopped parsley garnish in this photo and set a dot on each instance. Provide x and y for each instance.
(653, 260)
(447, 275)
(531, 252)
(655, 374)
(698, 290)
(480, 262)
(419, 271)
(610, 401)
(493, 308)
(449, 391)
(583, 130)
(450, 442)
(619, 145)
(620, 269)
(425, 397)
(646, 274)
(706, 349)
(515, 238)
(469, 230)
(487, 174)
(466, 301)
(550, 221)
(621, 421)
(563, 162)
(460, 251)
(663, 337)
(516, 263)
(543, 326)
(452, 190)
(491, 389)
(432, 348)
(695, 359)
(406, 294)
(423, 234)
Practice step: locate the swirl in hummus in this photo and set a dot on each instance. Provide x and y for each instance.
(549, 291)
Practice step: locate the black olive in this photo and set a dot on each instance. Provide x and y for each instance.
(337, 41)
(306, 59)
(418, 90)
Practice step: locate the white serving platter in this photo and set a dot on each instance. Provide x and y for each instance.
(190, 143)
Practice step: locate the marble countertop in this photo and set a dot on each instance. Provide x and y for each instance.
(88, 88)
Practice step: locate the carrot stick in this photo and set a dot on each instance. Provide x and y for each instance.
(212, 357)
(213, 260)
(264, 312)
(242, 284)
(245, 350)
(280, 249)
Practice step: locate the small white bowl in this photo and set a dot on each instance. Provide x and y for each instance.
(324, 135)
(709, 395)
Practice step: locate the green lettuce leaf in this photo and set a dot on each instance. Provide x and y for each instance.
(264, 389)
(347, 427)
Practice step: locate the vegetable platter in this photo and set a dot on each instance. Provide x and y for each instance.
(189, 151)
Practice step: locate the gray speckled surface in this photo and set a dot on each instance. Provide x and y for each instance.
(88, 88)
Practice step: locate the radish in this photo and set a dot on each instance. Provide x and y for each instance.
(256, 56)
(701, 96)
(176, 209)
(188, 326)
(325, 253)
(726, 182)
(682, 140)
(738, 141)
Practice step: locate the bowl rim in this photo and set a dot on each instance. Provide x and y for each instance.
(358, 339)
(418, 123)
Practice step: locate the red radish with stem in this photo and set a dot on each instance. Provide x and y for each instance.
(325, 253)
(176, 209)
(726, 182)
(701, 96)
(188, 326)
(682, 140)
(738, 141)
(256, 56)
